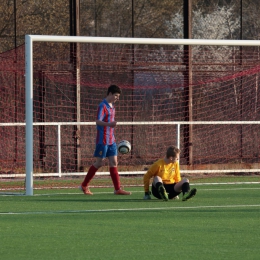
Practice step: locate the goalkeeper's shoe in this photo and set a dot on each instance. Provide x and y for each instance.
(85, 190)
(122, 192)
(189, 194)
(162, 192)
(147, 195)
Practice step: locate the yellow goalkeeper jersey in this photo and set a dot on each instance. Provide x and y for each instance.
(170, 173)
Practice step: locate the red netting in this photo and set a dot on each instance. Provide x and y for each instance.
(161, 85)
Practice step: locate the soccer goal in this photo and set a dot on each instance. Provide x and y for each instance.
(201, 95)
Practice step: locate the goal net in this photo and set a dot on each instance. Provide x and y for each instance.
(201, 95)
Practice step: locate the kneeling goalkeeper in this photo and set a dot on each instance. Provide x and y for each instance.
(167, 183)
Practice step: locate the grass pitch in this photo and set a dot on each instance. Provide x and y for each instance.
(220, 222)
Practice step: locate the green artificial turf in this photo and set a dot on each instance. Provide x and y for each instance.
(220, 222)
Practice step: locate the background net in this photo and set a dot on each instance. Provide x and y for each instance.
(160, 84)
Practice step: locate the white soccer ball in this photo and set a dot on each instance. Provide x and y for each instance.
(124, 147)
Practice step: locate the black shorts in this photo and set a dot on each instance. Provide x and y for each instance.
(169, 189)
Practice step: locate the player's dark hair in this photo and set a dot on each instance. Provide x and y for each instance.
(114, 89)
(172, 151)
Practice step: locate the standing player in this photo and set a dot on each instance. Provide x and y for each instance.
(167, 182)
(105, 142)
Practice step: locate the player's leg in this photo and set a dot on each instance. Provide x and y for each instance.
(172, 194)
(184, 187)
(158, 189)
(112, 158)
(99, 154)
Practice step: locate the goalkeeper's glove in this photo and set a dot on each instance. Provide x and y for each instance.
(147, 195)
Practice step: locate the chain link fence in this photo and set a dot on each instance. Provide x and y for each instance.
(211, 19)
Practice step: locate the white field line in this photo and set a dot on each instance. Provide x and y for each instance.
(123, 210)
(106, 192)
(141, 191)
(3, 193)
(226, 183)
(192, 184)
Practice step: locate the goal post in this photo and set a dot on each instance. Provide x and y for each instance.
(164, 65)
(29, 113)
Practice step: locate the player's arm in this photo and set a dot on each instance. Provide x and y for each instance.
(149, 174)
(177, 176)
(102, 123)
(101, 116)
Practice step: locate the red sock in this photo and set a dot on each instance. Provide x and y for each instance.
(115, 177)
(91, 172)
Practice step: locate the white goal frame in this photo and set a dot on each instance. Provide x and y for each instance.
(30, 39)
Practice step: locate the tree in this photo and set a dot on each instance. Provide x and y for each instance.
(31, 17)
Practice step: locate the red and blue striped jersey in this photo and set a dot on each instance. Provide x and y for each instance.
(105, 134)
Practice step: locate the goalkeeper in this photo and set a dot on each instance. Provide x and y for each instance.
(167, 183)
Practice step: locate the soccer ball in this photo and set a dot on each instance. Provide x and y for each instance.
(124, 147)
